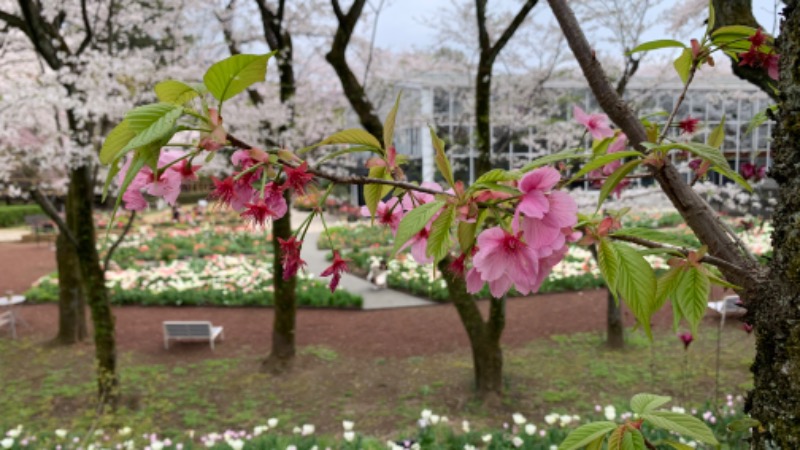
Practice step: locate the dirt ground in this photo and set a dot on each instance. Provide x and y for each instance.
(383, 333)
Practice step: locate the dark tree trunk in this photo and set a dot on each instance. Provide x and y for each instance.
(71, 304)
(774, 306)
(615, 329)
(483, 130)
(284, 322)
(80, 203)
(484, 336)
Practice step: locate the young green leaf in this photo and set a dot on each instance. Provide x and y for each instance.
(743, 424)
(633, 440)
(616, 177)
(717, 136)
(234, 74)
(113, 170)
(601, 161)
(414, 221)
(466, 235)
(442, 163)
(711, 18)
(608, 262)
(355, 136)
(666, 286)
(600, 147)
(636, 283)
(616, 437)
(644, 403)
(498, 175)
(151, 123)
(388, 125)
(682, 424)
(720, 164)
(692, 295)
(720, 282)
(439, 242)
(586, 434)
(115, 142)
(175, 92)
(374, 192)
(678, 445)
(683, 64)
(572, 153)
(760, 118)
(655, 45)
(344, 151)
(651, 234)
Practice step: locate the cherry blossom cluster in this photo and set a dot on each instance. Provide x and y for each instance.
(757, 58)
(599, 126)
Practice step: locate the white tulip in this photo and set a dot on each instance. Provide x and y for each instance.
(349, 436)
(519, 419)
(347, 425)
(517, 441)
(530, 429)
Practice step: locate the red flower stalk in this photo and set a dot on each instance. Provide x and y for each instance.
(223, 190)
(336, 269)
(291, 261)
(297, 178)
(687, 339)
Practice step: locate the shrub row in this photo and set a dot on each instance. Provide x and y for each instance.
(14, 215)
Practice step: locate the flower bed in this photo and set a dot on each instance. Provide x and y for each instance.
(432, 431)
(359, 236)
(213, 281)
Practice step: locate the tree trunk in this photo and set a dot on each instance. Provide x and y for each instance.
(484, 336)
(774, 306)
(80, 203)
(283, 327)
(483, 130)
(615, 329)
(71, 304)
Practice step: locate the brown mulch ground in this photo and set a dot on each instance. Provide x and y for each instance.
(383, 333)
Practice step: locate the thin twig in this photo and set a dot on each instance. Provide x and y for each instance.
(678, 103)
(116, 243)
(51, 212)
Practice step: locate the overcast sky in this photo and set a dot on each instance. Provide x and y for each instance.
(402, 25)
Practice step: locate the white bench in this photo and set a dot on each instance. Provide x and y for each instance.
(8, 318)
(191, 331)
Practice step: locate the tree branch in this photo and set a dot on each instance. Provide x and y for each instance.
(88, 29)
(14, 21)
(110, 253)
(708, 259)
(698, 214)
(483, 34)
(346, 179)
(51, 212)
(512, 27)
(42, 34)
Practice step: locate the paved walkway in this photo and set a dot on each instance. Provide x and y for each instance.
(373, 299)
(13, 234)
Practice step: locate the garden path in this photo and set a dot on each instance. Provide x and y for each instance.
(373, 299)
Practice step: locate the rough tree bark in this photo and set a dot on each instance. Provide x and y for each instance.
(71, 303)
(770, 294)
(483, 79)
(484, 335)
(353, 89)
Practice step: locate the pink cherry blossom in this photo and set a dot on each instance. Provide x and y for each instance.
(534, 186)
(389, 213)
(504, 259)
(597, 124)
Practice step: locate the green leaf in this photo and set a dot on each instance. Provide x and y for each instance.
(651, 234)
(720, 282)
(636, 283)
(601, 161)
(739, 31)
(442, 163)
(678, 445)
(572, 153)
(608, 262)
(585, 434)
(498, 175)
(717, 136)
(356, 136)
(175, 92)
(373, 193)
(234, 74)
(720, 164)
(601, 147)
(414, 221)
(151, 123)
(596, 444)
(615, 178)
(388, 125)
(636, 440)
(665, 287)
(711, 18)
(113, 171)
(344, 151)
(115, 142)
(644, 403)
(682, 424)
(466, 235)
(683, 64)
(760, 118)
(616, 437)
(439, 242)
(655, 45)
(743, 424)
(692, 295)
